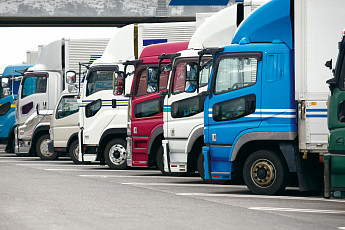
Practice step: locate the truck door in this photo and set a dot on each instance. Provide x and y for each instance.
(185, 107)
(231, 108)
(65, 120)
(98, 102)
(34, 91)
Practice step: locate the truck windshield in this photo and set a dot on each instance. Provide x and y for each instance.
(99, 80)
(33, 85)
(68, 105)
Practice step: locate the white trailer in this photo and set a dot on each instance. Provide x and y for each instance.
(313, 47)
(42, 86)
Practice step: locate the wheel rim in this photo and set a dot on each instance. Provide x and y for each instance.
(117, 154)
(44, 148)
(263, 173)
(76, 152)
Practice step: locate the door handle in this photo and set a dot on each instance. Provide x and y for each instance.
(113, 103)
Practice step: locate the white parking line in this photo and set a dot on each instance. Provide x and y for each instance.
(60, 165)
(186, 185)
(10, 161)
(259, 197)
(297, 210)
(341, 228)
(148, 176)
(15, 157)
(100, 170)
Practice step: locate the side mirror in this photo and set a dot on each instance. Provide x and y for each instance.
(5, 82)
(118, 78)
(190, 72)
(168, 68)
(72, 88)
(71, 77)
(152, 82)
(329, 64)
(6, 92)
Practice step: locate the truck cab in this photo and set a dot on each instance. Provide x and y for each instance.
(335, 160)
(266, 98)
(103, 116)
(64, 127)
(145, 131)
(9, 86)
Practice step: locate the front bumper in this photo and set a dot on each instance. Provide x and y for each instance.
(22, 146)
(129, 152)
(173, 162)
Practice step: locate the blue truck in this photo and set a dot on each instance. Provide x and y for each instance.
(266, 104)
(10, 81)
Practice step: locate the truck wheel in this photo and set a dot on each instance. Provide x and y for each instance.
(10, 145)
(42, 149)
(74, 152)
(115, 154)
(265, 172)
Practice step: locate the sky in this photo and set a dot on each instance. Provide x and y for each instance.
(15, 41)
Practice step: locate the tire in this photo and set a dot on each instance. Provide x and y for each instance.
(10, 145)
(265, 173)
(160, 160)
(115, 154)
(73, 153)
(42, 149)
(200, 166)
(160, 164)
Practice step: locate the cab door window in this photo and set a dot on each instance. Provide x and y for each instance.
(33, 85)
(235, 73)
(99, 80)
(67, 106)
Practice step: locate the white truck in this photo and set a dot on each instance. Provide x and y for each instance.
(103, 116)
(183, 112)
(64, 127)
(42, 86)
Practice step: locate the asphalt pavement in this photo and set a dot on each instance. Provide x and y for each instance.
(37, 194)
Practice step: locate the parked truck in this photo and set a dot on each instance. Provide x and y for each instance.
(64, 127)
(103, 117)
(10, 81)
(265, 106)
(42, 86)
(183, 107)
(335, 160)
(145, 121)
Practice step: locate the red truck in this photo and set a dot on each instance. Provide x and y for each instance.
(145, 120)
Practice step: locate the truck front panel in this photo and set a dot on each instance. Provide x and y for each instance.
(251, 91)
(146, 113)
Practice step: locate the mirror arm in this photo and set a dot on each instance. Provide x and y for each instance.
(37, 109)
(198, 73)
